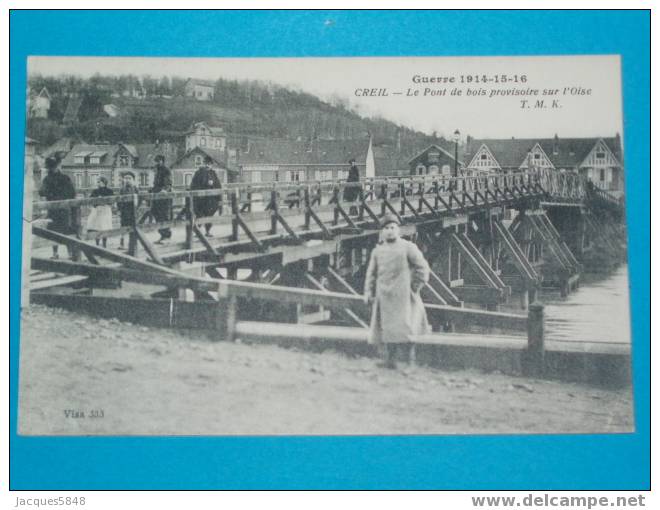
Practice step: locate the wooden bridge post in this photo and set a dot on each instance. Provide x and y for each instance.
(191, 222)
(533, 363)
(361, 199)
(226, 314)
(524, 299)
(308, 207)
(132, 235)
(273, 211)
(234, 216)
(383, 198)
(335, 200)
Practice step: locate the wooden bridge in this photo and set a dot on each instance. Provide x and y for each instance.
(283, 254)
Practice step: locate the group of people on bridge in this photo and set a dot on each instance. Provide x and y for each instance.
(58, 186)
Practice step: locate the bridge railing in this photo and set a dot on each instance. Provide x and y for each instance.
(372, 187)
(368, 198)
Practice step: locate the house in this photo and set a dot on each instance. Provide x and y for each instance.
(598, 159)
(204, 136)
(86, 163)
(434, 160)
(39, 105)
(501, 155)
(111, 110)
(268, 160)
(186, 166)
(201, 90)
(140, 159)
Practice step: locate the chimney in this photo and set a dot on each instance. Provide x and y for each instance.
(555, 145)
(468, 144)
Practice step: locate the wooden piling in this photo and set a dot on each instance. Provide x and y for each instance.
(524, 299)
(226, 315)
(533, 363)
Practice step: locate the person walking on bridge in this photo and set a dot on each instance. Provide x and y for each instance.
(352, 190)
(396, 273)
(206, 178)
(58, 186)
(161, 208)
(127, 210)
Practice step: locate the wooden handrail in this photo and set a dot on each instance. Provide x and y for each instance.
(389, 184)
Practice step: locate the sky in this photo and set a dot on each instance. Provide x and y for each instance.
(588, 88)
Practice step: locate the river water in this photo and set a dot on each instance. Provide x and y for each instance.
(598, 311)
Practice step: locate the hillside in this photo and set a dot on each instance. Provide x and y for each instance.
(248, 108)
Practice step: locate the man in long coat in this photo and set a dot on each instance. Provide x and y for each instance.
(161, 208)
(57, 186)
(396, 273)
(351, 193)
(205, 178)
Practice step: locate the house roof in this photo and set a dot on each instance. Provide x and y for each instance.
(100, 150)
(44, 93)
(218, 156)
(562, 152)
(214, 130)
(509, 152)
(130, 149)
(449, 151)
(568, 152)
(316, 152)
(204, 83)
(390, 161)
(61, 146)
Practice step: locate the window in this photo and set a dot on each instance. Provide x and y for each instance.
(484, 157)
(433, 170)
(445, 170)
(187, 179)
(342, 174)
(295, 176)
(202, 141)
(324, 175)
(199, 160)
(537, 156)
(79, 160)
(600, 155)
(94, 160)
(79, 180)
(93, 180)
(123, 160)
(421, 169)
(255, 176)
(602, 174)
(144, 179)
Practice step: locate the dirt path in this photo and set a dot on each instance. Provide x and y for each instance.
(161, 382)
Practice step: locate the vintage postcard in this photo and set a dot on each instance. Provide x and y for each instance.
(324, 246)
